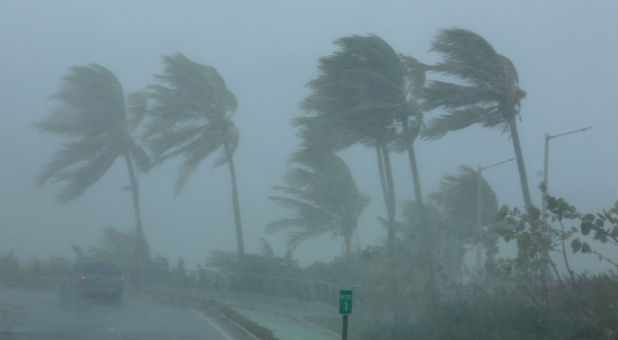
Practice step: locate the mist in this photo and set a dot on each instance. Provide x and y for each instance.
(565, 53)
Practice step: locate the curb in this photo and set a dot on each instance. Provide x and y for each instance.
(224, 319)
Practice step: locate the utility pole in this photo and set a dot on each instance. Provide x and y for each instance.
(546, 163)
(479, 219)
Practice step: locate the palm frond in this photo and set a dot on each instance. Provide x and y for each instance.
(415, 74)
(360, 88)
(190, 115)
(456, 120)
(200, 86)
(137, 109)
(70, 154)
(82, 176)
(91, 101)
(457, 196)
(171, 141)
(468, 56)
(452, 96)
(302, 207)
(195, 152)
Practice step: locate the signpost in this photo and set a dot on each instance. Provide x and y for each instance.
(345, 309)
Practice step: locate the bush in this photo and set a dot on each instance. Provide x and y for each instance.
(501, 320)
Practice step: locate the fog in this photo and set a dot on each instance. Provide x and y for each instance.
(266, 51)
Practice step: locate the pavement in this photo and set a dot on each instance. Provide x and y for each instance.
(39, 314)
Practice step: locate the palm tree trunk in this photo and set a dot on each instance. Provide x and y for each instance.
(383, 185)
(520, 165)
(391, 195)
(426, 248)
(237, 220)
(142, 252)
(415, 176)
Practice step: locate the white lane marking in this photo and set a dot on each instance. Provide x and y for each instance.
(225, 334)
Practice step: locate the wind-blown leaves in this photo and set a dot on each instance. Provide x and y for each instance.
(489, 93)
(360, 88)
(457, 197)
(91, 103)
(91, 113)
(322, 196)
(190, 116)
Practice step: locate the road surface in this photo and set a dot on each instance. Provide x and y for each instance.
(38, 314)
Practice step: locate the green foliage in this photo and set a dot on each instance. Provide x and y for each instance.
(535, 240)
(322, 195)
(92, 115)
(190, 116)
(602, 226)
(228, 263)
(489, 93)
(457, 196)
(359, 90)
(255, 273)
(486, 320)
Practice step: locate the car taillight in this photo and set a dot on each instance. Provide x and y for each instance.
(83, 277)
(122, 278)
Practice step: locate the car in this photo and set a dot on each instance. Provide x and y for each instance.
(93, 280)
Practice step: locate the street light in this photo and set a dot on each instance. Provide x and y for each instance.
(478, 203)
(546, 162)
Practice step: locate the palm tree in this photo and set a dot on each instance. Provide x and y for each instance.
(488, 94)
(457, 198)
(192, 117)
(323, 196)
(93, 116)
(411, 121)
(358, 93)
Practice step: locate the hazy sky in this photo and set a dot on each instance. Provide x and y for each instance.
(565, 53)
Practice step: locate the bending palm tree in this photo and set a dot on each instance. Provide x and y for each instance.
(490, 93)
(358, 93)
(93, 116)
(191, 117)
(323, 196)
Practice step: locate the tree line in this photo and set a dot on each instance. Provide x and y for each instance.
(365, 93)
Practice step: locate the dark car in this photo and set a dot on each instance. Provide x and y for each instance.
(93, 280)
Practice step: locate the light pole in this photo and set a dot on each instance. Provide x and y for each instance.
(546, 162)
(479, 220)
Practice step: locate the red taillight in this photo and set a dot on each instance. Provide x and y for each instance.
(83, 277)
(122, 278)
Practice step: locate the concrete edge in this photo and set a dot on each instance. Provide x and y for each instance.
(236, 330)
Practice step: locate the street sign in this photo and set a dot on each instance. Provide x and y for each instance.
(345, 302)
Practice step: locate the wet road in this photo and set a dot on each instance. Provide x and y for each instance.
(38, 314)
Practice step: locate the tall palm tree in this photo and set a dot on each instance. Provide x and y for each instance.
(191, 116)
(93, 116)
(488, 94)
(323, 196)
(358, 92)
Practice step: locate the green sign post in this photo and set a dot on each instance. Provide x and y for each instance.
(345, 309)
(345, 302)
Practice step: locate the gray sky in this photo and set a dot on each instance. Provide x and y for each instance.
(565, 53)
